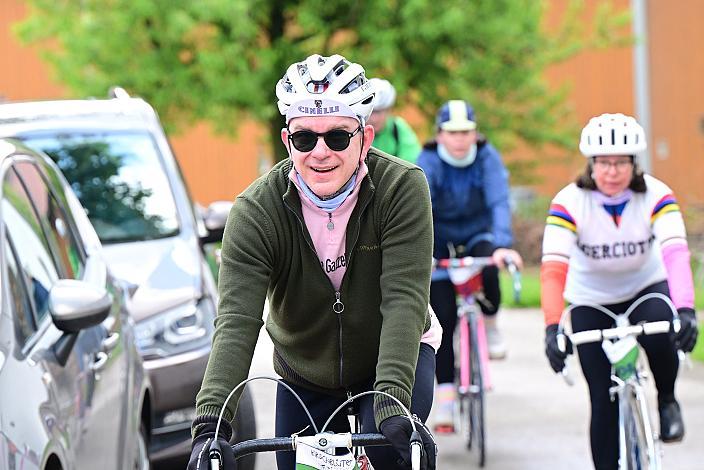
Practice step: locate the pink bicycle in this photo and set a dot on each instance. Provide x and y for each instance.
(472, 376)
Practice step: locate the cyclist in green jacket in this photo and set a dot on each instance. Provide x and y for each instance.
(392, 134)
(339, 239)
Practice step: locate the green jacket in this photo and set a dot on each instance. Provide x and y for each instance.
(397, 138)
(268, 252)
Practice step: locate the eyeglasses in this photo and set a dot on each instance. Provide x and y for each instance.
(619, 165)
(336, 139)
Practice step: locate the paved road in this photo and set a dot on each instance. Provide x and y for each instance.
(535, 421)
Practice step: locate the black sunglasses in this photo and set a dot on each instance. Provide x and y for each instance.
(336, 139)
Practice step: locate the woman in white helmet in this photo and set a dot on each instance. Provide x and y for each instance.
(392, 134)
(338, 238)
(619, 233)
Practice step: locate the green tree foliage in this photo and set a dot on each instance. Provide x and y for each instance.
(219, 60)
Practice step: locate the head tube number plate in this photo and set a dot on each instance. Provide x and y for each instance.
(310, 458)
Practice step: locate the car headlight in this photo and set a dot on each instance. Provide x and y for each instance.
(181, 329)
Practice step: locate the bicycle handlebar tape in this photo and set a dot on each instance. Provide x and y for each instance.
(215, 455)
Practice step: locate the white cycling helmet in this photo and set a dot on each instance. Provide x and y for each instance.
(321, 86)
(612, 134)
(384, 94)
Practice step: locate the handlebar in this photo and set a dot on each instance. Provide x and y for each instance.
(622, 328)
(289, 443)
(480, 262)
(464, 262)
(593, 336)
(322, 441)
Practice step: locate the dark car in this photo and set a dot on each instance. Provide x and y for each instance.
(118, 161)
(73, 392)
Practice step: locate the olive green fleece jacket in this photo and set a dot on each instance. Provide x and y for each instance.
(267, 251)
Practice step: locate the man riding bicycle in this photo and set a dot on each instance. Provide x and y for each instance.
(392, 134)
(612, 236)
(471, 217)
(339, 239)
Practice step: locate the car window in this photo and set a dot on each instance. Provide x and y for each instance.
(57, 225)
(24, 229)
(119, 179)
(19, 305)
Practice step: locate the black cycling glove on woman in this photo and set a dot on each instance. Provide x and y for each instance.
(686, 338)
(398, 429)
(200, 447)
(555, 356)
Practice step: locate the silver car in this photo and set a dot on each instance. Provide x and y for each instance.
(73, 392)
(118, 161)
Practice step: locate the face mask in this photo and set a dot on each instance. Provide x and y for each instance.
(329, 205)
(463, 162)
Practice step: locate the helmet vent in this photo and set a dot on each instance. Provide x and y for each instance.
(613, 136)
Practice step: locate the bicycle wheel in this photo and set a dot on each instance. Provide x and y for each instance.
(641, 453)
(476, 441)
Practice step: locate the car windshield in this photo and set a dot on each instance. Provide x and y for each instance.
(119, 179)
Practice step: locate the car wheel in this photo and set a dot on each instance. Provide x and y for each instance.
(141, 452)
(245, 427)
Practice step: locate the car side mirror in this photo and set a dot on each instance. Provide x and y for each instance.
(214, 219)
(76, 305)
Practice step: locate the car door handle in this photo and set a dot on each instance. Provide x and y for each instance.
(110, 342)
(100, 360)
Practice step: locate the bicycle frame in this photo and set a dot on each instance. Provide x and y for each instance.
(633, 411)
(468, 314)
(472, 377)
(467, 283)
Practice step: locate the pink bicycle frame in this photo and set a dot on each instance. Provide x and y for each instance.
(465, 351)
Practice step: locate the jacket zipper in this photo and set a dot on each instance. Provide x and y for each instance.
(337, 307)
(337, 293)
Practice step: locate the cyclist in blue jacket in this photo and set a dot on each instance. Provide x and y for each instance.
(471, 217)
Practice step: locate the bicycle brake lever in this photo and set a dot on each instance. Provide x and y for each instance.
(215, 455)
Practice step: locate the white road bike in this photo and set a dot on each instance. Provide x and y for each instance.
(639, 443)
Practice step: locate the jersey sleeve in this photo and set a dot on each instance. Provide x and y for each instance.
(669, 230)
(496, 193)
(560, 234)
(558, 241)
(665, 215)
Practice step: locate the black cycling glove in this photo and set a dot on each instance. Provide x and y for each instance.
(200, 447)
(555, 356)
(686, 338)
(398, 429)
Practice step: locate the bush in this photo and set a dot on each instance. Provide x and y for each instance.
(529, 215)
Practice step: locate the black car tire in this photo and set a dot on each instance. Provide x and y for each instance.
(245, 427)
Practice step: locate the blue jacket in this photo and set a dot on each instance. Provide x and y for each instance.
(469, 204)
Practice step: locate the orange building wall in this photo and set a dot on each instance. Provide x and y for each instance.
(600, 81)
(677, 97)
(23, 76)
(215, 167)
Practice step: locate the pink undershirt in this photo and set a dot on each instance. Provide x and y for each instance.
(330, 244)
